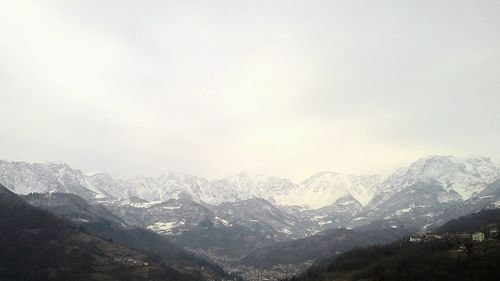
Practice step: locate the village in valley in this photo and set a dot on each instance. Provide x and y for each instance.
(276, 272)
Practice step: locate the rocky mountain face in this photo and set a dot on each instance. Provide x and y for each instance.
(325, 188)
(227, 231)
(24, 178)
(259, 215)
(166, 217)
(432, 190)
(459, 178)
(72, 207)
(341, 213)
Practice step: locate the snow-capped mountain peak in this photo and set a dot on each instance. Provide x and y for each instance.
(24, 178)
(465, 176)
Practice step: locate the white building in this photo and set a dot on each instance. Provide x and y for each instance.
(478, 236)
(415, 239)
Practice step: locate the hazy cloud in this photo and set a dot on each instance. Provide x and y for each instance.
(214, 87)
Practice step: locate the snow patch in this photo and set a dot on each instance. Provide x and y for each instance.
(164, 227)
(324, 222)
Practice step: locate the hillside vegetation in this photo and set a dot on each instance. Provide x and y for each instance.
(37, 245)
(443, 259)
(320, 246)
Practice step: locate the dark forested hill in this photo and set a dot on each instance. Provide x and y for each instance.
(471, 222)
(232, 242)
(37, 245)
(436, 260)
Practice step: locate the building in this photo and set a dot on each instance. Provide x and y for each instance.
(492, 230)
(461, 248)
(414, 239)
(462, 235)
(478, 236)
(431, 236)
(493, 233)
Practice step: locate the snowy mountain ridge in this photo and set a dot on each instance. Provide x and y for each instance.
(325, 188)
(463, 176)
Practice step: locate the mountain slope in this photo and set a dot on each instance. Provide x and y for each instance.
(37, 245)
(401, 260)
(100, 222)
(225, 244)
(463, 177)
(445, 259)
(322, 245)
(339, 214)
(471, 222)
(418, 205)
(325, 188)
(170, 217)
(73, 207)
(24, 178)
(246, 186)
(227, 231)
(433, 190)
(259, 215)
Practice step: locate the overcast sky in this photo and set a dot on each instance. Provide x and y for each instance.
(211, 88)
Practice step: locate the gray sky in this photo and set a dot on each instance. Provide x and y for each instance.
(214, 87)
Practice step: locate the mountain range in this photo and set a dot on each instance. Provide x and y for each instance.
(446, 179)
(243, 216)
(459, 177)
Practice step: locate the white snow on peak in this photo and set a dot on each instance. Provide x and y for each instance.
(24, 178)
(246, 186)
(326, 188)
(465, 176)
